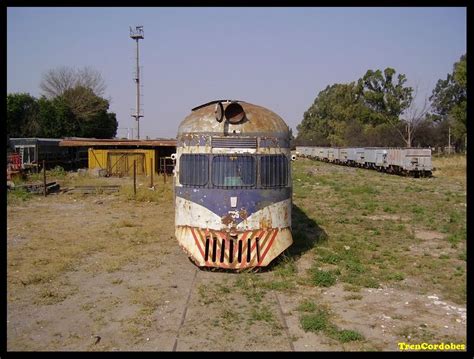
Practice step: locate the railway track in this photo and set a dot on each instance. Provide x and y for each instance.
(196, 280)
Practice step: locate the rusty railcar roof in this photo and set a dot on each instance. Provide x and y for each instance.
(258, 121)
(93, 142)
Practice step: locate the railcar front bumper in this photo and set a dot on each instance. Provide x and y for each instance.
(248, 249)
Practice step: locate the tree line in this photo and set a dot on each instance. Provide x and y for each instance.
(71, 105)
(379, 109)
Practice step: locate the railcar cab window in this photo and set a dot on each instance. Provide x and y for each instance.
(233, 171)
(193, 170)
(274, 171)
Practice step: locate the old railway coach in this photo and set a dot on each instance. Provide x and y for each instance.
(233, 185)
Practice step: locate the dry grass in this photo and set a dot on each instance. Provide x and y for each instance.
(453, 166)
(104, 245)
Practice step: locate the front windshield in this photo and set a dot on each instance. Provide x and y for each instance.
(233, 171)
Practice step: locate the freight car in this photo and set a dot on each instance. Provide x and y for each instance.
(233, 185)
(414, 162)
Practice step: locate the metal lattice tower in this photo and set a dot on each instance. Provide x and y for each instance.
(137, 34)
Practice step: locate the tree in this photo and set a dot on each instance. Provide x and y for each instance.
(84, 103)
(55, 118)
(413, 116)
(449, 100)
(387, 98)
(326, 121)
(103, 125)
(88, 113)
(22, 109)
(57, 81)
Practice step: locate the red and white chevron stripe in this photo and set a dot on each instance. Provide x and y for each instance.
(247, 249)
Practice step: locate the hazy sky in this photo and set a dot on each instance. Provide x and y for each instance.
(279, 58)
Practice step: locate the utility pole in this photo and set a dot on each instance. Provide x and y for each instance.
(137, 35)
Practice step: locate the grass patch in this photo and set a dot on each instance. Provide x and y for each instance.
(360, 280)
(319, 321)
(323, 278)
(212, 293)
(328, 257)
(314, 322)
(306, 306)
(280, 285)
(17, 196)
(262, 313)
(397, 276)
(160, 194)
(148, 298)
(351, 288)
(53, 294)
(346, 335)
(251, 286)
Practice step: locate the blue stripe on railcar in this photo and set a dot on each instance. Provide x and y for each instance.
(218, 200)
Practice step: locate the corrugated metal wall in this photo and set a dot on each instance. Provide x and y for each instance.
(120, 161)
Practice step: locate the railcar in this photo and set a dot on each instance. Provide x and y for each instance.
(233, 187)
(414, 162)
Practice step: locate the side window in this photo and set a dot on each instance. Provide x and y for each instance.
(233, 171)
(274, 171)
(193, 170)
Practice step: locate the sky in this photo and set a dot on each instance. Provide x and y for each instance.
(279, 58)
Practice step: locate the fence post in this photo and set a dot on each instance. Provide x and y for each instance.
(44, 177)
(151, 172)
(134, 177)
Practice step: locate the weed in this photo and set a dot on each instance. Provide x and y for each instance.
(286, 267)
(346, 335)
(328, 257)
(351, 288)
(262, 313)
(360, 280)
(322, 278)
(18, 195)
(315, 322)
(306, 306)
(396, 276)
(279, 285)
(147, 298)
(320, 322)
(54, 293)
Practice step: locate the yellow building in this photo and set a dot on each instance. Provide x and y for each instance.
(119, 162)
(117, 157)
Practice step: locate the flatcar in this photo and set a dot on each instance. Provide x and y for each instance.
(233, 187)
(414, 162)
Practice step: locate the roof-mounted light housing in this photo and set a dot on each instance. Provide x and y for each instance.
(219, 111)
(234, 113)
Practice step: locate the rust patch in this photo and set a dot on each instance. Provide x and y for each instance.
(227, 219)
(233, 232)
(265, 223)
(258, 120)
